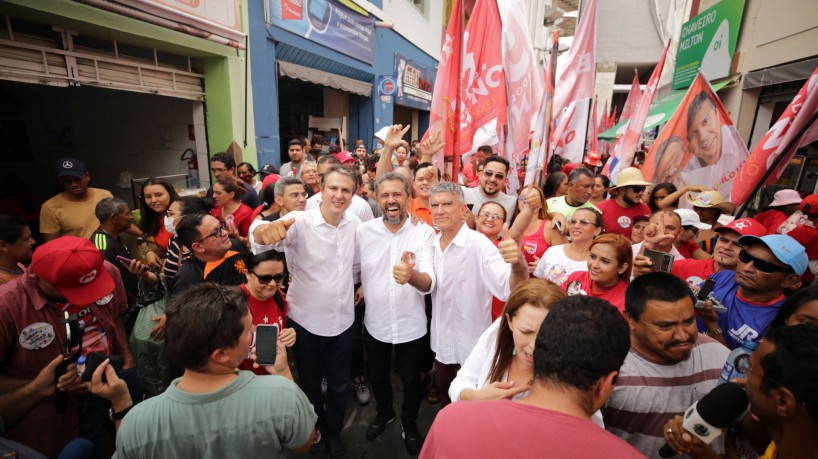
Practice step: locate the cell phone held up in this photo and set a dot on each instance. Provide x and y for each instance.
(661, 261)
(706, 294)
(266, 344)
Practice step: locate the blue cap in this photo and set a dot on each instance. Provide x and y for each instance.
(70, 166)
(785, 248)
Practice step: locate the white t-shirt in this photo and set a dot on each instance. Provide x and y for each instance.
(556, 266)
(477, 199)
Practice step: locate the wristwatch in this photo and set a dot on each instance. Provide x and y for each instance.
(117, 416)
(713, 333)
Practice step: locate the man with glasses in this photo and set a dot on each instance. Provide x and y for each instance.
(72, 211)
(213, 409)
(223, 164)
(754, 293)
(669, 367)
(493, 180)
(213, 260)
(580, 186)
(394, 278)
(619, 212)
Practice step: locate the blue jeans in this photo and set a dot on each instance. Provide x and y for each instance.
(325, 355)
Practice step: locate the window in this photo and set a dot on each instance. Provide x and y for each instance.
(420, 5)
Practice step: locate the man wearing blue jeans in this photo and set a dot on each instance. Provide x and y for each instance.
(321, 254)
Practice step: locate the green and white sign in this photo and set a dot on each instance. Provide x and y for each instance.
(708, 41)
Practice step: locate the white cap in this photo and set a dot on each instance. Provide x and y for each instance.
(691, 218)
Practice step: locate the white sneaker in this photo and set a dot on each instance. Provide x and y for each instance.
(361, 391)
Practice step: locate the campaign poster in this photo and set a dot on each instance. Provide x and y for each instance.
(699, 145)
(414, 83)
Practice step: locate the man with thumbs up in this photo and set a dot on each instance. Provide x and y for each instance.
(469, 270)
(396, 272)
(319, 244)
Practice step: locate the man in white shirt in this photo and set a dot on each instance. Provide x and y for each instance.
(323, 261)
(493, 180)
(663, 230)
(396, 271)
(358, 206)
(469, 270)
(295, 149)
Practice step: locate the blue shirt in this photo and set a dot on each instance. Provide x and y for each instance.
(744, 319)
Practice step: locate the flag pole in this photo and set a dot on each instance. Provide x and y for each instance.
(776, 163)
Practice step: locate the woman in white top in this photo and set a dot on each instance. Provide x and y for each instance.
(558, 262)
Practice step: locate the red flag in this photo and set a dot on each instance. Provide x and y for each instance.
(625, 146)
(633, 97)
(444, 116)
(593, 144)
(699, 145)
(612, 118)
(538, 157)
(575, 75)
(800, 114)
(482, 80)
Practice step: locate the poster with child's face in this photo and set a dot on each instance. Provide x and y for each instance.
(699, 145)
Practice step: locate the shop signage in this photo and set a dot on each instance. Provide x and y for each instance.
(414, 83)
(708, 41)
(219, 17)
(386, 85)
(329, 23)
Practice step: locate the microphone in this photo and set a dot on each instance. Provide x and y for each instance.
(714, 412)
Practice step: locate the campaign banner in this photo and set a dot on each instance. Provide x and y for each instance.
(699, 145)
(573, 129)
(329, 23)
(708, 43)
(414, 83)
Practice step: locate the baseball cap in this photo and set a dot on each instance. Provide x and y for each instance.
(785, 248)
(641, 218)
(75, 267)
(70, 166)
(785, 197)
(267, 169)
(691, 218)
(744, 227)
(344, 156)
(810, 205)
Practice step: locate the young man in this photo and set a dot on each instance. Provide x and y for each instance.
(579, 348)
(493, 180)
(358, 206)
(224, 164)
(295, 149)
(213, 410)
(618, 213)
(72, 211)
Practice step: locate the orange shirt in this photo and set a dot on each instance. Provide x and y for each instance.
(425, 214)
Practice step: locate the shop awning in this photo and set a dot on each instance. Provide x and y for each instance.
(660, 112)
(315, 76)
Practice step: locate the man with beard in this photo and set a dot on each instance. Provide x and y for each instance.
(754, 293)
(493, 180)
(619, 212)
(669, 367)
(295, 149)
(396, 273)
(580, 186)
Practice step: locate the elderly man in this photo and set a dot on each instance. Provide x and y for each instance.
(72, 211)
(68, 278)
(469, 270)
(321, 254)
(580, 185)
(290, 195)
(395, 275)
(754, 293)
(669, 367)
(663, 231)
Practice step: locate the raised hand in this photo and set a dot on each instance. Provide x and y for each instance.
(394, 136)
(532, 198)
(273, 232)
(509, 249)
(403, 271)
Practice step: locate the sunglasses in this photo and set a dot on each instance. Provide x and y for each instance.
(691, 228)
(762, 265)
(488, 216)
(265, 279)
(497, 176)
(583, 222)
(638, 189)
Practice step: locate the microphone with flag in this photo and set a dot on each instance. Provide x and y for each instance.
(717, 410)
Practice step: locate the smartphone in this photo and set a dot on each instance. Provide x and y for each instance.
(94, 360)
(122, 259)
(706, 288)
(705, 294)
(266, 343)
(661, 261)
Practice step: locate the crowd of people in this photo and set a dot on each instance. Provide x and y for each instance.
(562, 320)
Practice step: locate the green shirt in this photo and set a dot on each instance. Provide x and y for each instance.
(254, 416)
(561, 206)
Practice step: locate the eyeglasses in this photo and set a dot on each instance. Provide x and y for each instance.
(303, 194)
(173, 213)
(762, 265)
(638, 189)
(488, 216)
(265, 279)
(583, 222)
(498, 176)
(227, 302)
(216, 232)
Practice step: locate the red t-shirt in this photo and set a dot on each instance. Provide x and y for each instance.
(808, 237)
(242, 218)
(579, 283)
(264, 313)
(687, 248)
(619, 220)
(503, 428)
(771, 219)
(694, 272)
(534, 244)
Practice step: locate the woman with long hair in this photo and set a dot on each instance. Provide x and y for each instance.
(227, 192)
(600, 191)
(157, 196)
(609, 271)
(658, 195)
(559, 261)
(269, 205)
(556, 185)
(539, 233)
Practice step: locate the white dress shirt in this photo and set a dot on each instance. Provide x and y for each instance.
(323, 262)
(359, 206)
(394, 313)
(467, 275)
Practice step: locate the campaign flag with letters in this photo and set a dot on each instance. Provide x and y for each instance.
(625, 146)
(800, 114)
(699, 144)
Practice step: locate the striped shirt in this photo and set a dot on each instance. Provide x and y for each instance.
(648, 394)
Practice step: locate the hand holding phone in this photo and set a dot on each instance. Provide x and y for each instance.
(121, 259)
(266, 344)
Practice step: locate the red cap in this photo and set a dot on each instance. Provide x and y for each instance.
(744, 227)
(272, 178)
(568, 168)
(344, 157)
(810, 205)
(75, 267)
(592, 158)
